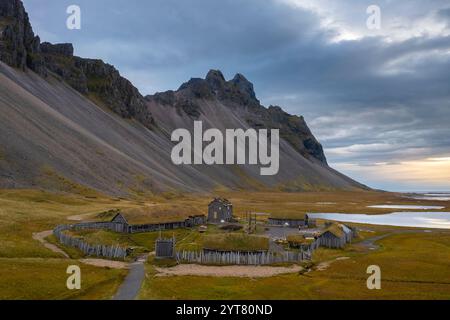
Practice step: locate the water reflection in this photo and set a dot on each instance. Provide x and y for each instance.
(435, 220)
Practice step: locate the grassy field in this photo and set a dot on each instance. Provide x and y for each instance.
(45, 279)
(28, 270)
(415, 265)
(236, 241)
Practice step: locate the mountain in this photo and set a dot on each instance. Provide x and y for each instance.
(69, 123)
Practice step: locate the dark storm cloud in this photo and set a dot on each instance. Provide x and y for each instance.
(368, 100)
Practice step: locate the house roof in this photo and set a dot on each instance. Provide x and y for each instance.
(299, 239)
(142, 216)
(222, 201)
(336, 230)
(288, 216)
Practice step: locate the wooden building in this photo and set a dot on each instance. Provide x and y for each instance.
(130, 224)
(303, 243)
(165, 248)
(336, 236)
(288, 222)
(220, 210)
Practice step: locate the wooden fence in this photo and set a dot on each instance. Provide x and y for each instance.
(241, 258)
(110, 252)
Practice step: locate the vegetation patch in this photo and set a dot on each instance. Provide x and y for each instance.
(236, 242)
(39, 279)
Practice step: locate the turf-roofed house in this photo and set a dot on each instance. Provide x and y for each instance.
(133, 223)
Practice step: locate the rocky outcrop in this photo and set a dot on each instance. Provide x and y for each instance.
(239, 94)
(99, 81)
(19, 47)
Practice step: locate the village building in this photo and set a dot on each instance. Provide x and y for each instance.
(165, 248)
(300, 222)
(302, 242)
(336, 236)
(129, 223)
(220, 210)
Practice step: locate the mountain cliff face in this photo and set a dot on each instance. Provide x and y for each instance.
(68, 123)
(239, 96)
(20, 48)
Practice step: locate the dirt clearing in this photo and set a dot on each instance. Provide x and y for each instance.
(226, 271)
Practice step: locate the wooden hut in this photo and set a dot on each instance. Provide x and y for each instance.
(288, 222)
(301, 242)
(336, 236)
(165, 248)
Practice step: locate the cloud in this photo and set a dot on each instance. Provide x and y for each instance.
(370, 96)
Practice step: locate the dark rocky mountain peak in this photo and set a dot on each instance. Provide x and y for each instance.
(238, 94)
(244, 86)
(19, 47)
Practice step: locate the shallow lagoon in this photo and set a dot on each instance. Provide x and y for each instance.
(391, 206)
(433, 220)
(432, 196)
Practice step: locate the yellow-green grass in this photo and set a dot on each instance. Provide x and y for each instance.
(28, 268)
(413, 266)
(24, 212)
(296, 205)
(45, 279)
(186, 239)
(235, 242)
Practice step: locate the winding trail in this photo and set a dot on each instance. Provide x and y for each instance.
(40, 236)
(102, 263)
(371, 245)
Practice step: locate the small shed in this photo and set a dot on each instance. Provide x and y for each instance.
(220, 210)
(336, 236)
(165, 248)
(302, 242)
(196, 220)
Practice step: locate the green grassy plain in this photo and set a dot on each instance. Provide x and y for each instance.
(414, 265)
(28, 270)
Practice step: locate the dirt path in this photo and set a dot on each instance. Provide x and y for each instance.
(326, 264)
(370, 244)
(41, 238)
(226, 271)
(106, 263)
(133, 282)
(102, 263)
(79, 217)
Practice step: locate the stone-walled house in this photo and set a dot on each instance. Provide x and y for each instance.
(220, 210)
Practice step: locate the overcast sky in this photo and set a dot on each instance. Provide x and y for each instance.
(378, 100)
